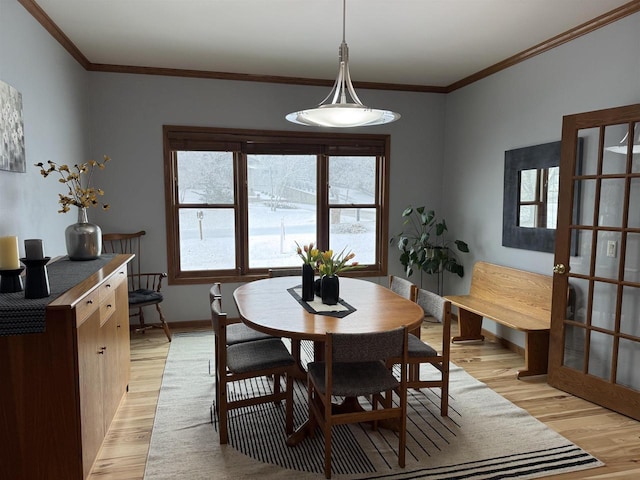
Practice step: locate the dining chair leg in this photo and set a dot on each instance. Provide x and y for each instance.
(444, 400)
(289, 405)
(216, 374)
(327, 452)
(163, 321)
(224, 433)
(276, 387)
(141, 320)
(312, 422)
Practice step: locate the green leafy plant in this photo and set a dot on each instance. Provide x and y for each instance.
(424, 247)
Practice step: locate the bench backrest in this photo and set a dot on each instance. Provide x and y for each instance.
(525, 292)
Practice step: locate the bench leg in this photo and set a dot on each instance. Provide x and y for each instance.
(536, 353)
(469, 326)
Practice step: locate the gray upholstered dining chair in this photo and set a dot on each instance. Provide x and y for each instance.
(403, 287)
(354, 366)
(246, 360)
(408, 290)
(236, 332)
(435, 308)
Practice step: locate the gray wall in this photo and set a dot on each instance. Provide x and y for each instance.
(54, 98)
(127, 114)
(447, 151)
(523, 106)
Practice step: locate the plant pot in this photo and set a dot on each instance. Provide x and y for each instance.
(330, 287)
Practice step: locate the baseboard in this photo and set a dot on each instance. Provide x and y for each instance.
(174, 325)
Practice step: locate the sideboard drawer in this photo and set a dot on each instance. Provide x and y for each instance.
(87, 306)
(111, 284)
(107, 307)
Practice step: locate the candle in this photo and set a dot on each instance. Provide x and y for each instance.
(9, 258)
(34, 249)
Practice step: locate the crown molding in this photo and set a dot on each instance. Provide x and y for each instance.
(587, 27)
(45, 20)
(610, 17)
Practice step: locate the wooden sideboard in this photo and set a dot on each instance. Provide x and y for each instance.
(60, 389)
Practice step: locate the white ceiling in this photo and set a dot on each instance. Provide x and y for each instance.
(413, 42)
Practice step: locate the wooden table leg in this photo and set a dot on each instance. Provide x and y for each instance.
(470, 326)
(536, 353)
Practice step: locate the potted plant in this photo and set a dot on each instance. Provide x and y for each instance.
(424, 246)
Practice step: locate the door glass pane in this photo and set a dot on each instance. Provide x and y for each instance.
(354, 229)
(282, 208)
(628, 360)
(580, 296)
(635, 163)
(632, 257)
(205, 177)
(611, 199)
(614, 158)
(585, 192)
(553, 189)
(630, 319)
(582, 262)
(634, 203)
(604, 305)
(352, 180)
(590, 145)
(207, 239)
(600, 355)
(574, 346)
(607, 255)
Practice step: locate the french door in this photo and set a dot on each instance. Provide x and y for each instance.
(595, 328)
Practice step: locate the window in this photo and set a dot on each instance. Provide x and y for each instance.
(538, 202)
(237, 201)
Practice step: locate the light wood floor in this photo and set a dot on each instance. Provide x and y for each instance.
(613, 438)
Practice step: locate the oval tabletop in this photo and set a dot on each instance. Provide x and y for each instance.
(267, 305)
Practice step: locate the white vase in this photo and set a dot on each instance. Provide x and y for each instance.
(83, 239)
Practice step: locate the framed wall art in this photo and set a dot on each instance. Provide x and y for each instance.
(12, 157)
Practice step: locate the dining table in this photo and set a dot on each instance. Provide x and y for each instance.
(274, 306)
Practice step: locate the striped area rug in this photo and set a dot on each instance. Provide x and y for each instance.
(484, 437)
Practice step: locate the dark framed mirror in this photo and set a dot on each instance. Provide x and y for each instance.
(530, 203)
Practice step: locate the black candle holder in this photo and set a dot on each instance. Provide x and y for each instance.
(10, 280)
(37, 280)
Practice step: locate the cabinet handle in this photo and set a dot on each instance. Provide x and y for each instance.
(109, 306)
(108, 285)
(101, 351)
(89, 302)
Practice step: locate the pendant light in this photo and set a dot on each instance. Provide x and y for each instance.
(342, 108)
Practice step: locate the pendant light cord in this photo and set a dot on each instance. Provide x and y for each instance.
(344, 21)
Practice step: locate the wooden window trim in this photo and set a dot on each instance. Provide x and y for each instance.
(323, 144)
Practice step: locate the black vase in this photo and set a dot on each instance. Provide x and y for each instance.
(307, 282)
(330, 287)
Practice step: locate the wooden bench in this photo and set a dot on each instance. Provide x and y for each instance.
(515, 298)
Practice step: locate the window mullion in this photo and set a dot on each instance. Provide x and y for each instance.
(323, 202)
(242, 220)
